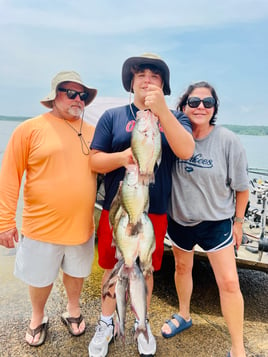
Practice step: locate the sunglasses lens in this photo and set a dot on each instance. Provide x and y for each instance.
(83, 96)
(71, 94)
(194, 102)
(209, 102)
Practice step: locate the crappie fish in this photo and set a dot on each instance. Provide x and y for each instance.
(146, 245)
(134, 194)
(138, 297)
(146, 143)
(126, 242)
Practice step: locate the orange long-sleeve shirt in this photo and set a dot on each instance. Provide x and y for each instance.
(60, 188)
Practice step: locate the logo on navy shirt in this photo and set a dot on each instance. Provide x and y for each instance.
(130, 126)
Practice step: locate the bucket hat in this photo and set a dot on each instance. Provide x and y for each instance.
(146, 58)
(67, 76)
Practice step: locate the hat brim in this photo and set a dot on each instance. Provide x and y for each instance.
(48, 100)
(127, 75)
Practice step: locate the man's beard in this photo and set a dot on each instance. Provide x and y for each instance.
(75, 111)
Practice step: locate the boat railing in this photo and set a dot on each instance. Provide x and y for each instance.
(257, 216)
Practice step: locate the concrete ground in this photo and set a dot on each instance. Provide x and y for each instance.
(207, 337)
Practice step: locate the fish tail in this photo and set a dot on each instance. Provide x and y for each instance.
(146, 178)
(141, 330)
(119, 331)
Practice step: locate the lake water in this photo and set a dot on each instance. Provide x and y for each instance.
(256, 146)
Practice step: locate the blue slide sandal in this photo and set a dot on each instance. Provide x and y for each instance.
(183, 325)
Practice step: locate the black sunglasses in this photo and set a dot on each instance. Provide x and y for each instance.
(194, 102)
(71, 94)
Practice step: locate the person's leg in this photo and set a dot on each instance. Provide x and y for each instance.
(184, 285)
(159, 222)
(183, 280)
(37, 264)
(99, 343)
(76, 265)
(73, 288)
(150, 285)
(38, 298)
(108, 303)
(231, 299)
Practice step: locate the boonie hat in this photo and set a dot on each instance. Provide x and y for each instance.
(67, 76)
(146, 58)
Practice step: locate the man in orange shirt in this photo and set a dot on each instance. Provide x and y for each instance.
(59, 196)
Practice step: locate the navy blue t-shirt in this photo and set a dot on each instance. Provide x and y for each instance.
(113, 134)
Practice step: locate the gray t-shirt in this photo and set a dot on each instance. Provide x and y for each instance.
(203, 187)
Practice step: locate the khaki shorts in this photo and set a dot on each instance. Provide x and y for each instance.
(38, 263)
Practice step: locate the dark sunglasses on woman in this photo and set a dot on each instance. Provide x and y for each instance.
(194, 102)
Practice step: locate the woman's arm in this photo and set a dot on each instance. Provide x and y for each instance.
(240, 208)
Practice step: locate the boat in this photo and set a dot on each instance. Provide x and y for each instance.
(253, 252)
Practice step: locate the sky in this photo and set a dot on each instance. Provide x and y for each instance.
(222, 42)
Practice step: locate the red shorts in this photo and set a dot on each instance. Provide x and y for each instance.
(106, 252)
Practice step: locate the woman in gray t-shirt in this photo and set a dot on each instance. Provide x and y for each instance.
(208, 201)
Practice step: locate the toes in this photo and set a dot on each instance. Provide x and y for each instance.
(30, 339)
(165, 328)
(82, 326)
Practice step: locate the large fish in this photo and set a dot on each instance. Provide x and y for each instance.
(134, 194)
(138, 297)
(146, 143)
(125, 241)
(146, 245)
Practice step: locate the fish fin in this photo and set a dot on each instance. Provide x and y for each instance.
(112, 279)
(134, 228)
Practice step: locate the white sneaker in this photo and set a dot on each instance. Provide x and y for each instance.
(146, 348)
(98, 346)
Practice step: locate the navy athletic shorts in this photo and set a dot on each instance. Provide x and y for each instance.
(209, 235)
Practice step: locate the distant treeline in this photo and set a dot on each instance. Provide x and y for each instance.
(5, 117)
(238, 129)
(248, 129)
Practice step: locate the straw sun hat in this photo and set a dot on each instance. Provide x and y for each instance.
(146, 58)
(67, 76)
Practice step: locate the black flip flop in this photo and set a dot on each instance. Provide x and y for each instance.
(42, 329)
(68, 321)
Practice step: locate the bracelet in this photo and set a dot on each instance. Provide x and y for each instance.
(238, 219)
